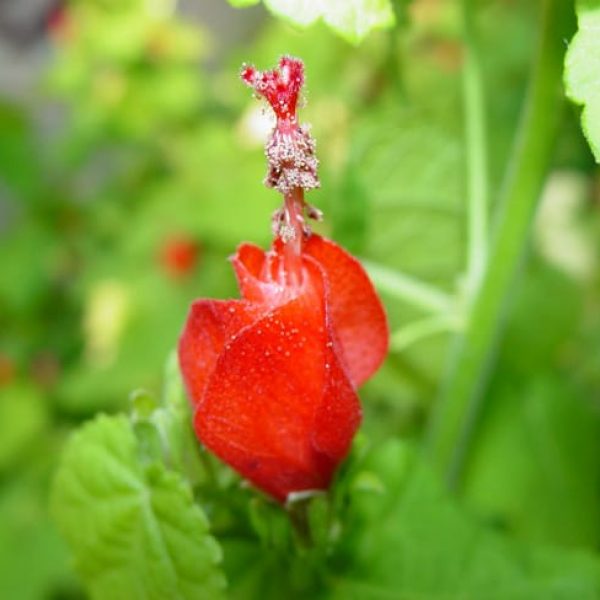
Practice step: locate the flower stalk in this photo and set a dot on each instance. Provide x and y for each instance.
(453, 421)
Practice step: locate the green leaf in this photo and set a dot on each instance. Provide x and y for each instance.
(582, 64)
(413, 541)
(354, 19)
(350, 212)
(350, 19)
(133, 528)
(556, 301)
(242, 3)
(411, 171)
(535, 463)
(422, 192)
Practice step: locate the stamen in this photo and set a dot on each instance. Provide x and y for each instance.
(290, 152)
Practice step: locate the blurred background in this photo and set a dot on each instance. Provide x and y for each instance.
(130, 169)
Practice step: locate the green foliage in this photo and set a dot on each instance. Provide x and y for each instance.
(23, 417)
(404, 199)
(15, 166)
(131, 523)
(33, 558)
(137, 60)
(351, 19)
(243, 3)
(410, 540)
(156, 140)
(581, 67)
(536, 461)
(127, 512)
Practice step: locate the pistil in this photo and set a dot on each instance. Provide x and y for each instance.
(292, 234)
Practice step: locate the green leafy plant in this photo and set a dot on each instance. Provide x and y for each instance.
(454, 144)
(580, 66)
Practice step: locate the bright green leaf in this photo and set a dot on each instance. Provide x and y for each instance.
(354, 19)
(298, 12)
(133, 528)
(582, 64)
(351, 19)
(242, 3)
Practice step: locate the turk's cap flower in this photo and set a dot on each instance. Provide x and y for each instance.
(272, 377)
(290, 151)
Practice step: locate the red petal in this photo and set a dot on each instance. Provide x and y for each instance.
(209, 325)
(271, 392)
(260, 276)
(340, 414)
(248, 263)
(357, 315)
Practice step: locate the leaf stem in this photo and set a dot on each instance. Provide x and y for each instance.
(413, 291)
(476, 153)
(451, 423)
(423, 328)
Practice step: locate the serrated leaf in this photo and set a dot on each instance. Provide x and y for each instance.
(582, 64)
(350, 19)
(134, 529)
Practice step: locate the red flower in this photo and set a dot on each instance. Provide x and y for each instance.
(59, 24)
(272, 377)
(179, 256)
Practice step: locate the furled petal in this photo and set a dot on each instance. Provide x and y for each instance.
(356, 313)
(272, 389)
(210, 324)
(260, 275)
(249, 265)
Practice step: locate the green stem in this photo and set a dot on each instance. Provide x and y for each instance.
(476, 153)
(404, 287)
(416, 331)
(451, 424)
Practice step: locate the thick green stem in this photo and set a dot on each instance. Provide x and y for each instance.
(477, 188)
(452, 421)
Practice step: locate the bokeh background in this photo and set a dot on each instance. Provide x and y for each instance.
(130, 169)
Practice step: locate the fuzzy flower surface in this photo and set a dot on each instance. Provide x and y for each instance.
(272, 377)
